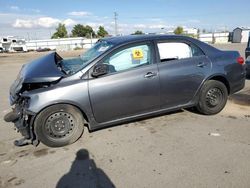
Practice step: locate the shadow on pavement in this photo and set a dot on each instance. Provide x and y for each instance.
(84, 174)
(241, 98)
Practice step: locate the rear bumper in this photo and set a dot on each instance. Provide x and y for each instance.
(238, 83)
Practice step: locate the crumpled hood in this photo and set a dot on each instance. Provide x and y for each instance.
(42, 70)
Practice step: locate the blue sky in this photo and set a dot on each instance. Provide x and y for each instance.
(38, 19)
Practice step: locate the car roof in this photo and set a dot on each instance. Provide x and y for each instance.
(139, 38)
(135, 38)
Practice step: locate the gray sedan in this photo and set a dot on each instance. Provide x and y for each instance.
(118, 80)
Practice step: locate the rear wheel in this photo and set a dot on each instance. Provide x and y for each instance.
(213, 97)
(59, 125)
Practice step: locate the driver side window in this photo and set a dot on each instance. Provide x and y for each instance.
(129, 58)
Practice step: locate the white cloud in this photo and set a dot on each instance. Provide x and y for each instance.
(19, 23)
(140, 26)
(14, 8)
(123, 25)
(43, 22)
(4, 14)
(79, 13)
(157, 26)
(95, 25)
(69, 22)
(47, 22)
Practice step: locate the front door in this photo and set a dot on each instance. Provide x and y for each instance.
(131, 87)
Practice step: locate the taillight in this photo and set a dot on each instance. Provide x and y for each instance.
(240, 60)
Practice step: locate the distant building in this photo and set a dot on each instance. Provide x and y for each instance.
(190, 31)
(240, 35)
(219, 37)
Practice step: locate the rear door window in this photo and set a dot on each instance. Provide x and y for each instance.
(177, 50)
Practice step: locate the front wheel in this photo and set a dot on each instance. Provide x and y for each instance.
(59, 125)
(213, 97)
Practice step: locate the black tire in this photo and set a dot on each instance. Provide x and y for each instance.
(59, 125)
(213, 97)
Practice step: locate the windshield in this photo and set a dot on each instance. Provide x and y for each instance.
(95, 51)
(71, 66)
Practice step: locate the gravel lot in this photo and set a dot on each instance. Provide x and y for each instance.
(181, 149)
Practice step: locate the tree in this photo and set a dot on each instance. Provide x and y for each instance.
(78, 31)
(83, 31)
(89, 32)
(138, 33)
(179, 30)
(102, 32)
(204, 31)
(61, 32)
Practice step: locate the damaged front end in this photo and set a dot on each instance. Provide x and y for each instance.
(23, 121)
(41, 73)
(20, 115)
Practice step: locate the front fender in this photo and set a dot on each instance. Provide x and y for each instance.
(76, 94)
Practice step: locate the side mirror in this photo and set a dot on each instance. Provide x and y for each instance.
(100, 69)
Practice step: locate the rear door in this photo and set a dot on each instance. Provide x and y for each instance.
(182, 68)
(131, 87)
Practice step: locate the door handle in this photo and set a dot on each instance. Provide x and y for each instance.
(150, 75)
(201, 64)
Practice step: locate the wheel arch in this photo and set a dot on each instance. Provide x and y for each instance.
(219, 77)
(66, 103)
(223, 79)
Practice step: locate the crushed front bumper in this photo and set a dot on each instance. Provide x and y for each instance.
(23, 121)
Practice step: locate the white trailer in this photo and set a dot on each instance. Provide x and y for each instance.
(13, 44)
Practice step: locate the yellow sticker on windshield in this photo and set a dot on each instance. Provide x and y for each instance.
(137, 54)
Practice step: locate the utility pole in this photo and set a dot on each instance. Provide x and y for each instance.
(28, 36)
(116, 27)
